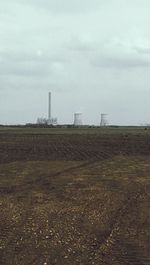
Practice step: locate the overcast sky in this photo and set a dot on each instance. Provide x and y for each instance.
(93, 55)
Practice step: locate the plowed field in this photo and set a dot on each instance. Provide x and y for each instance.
(74, 197)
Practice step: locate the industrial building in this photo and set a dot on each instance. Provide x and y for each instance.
(104, 121)
(50, 120)
(77, 116)
(77, 119)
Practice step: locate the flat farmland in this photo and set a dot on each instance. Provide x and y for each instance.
(74, 196)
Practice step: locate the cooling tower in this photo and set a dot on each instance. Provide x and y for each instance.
(77, 119)
(104, 121)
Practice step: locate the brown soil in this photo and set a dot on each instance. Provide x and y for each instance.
(74, 199)
(70, 147)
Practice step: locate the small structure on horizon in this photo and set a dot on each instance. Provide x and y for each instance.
(77, 119)
(41, 121)
(104, 121)
(50, 120)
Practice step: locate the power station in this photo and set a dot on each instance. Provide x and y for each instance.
(77, 116)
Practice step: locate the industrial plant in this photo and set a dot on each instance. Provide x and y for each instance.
(77, 120)
(50, 120)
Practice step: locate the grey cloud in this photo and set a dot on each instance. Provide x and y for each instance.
(142, 50)
(29, 64)
(36, 55)
(22, 69)
(60, 6)
(17, 66)
(76, 48)
(80, 45)
(119, 62)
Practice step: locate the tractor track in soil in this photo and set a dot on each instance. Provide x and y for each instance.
(88, 151)
(39, 179)
(64, 147)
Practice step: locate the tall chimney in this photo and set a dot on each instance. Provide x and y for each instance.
(49, 106)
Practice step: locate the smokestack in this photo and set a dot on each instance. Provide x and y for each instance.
(49, 106)
(51, 120)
